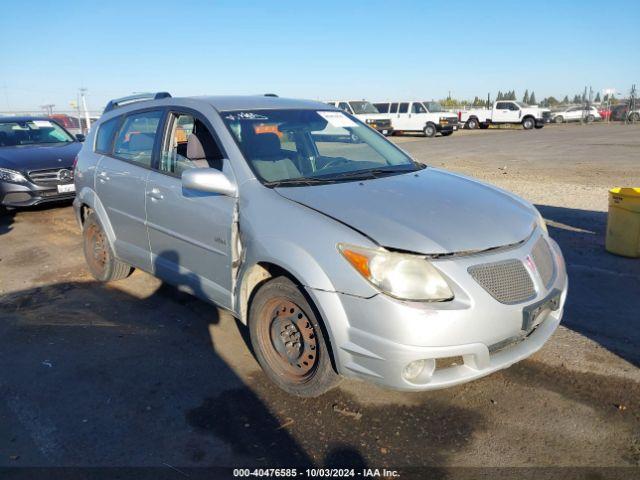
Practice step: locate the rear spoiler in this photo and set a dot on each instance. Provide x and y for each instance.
(141, 97)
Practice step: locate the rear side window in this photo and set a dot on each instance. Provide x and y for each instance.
(136, 137)
(382, 107)
(404, 108)
(104, 137)
(394, 108)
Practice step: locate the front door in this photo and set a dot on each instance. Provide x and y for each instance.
(190, 232)
(120, 182)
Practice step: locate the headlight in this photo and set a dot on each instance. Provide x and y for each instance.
(12, 176)
(400, 275)
(542, 224)
(370, 120)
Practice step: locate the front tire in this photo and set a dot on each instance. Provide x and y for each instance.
(430, 130)
(528, 123)
(446, 134)
(472, 123)
(102, 263)
(288, 340)
(558, 119)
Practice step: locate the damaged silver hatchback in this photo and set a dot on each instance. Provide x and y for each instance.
(342, 255)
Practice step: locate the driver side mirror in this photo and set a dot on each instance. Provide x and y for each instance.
(208, 180)
(80, 137)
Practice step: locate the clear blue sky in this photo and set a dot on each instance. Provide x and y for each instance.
(322, 49)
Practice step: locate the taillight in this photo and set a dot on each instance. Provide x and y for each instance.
(75, 163)
(459, 115)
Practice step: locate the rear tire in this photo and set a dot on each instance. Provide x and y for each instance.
(472, 123)
(102, 263)
(446, 134)
(590, 119)
(289, 340)
(430, 130)
(528, 123)
(634, 117)
(558, 119)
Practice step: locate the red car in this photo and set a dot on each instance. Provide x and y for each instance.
(605, 113)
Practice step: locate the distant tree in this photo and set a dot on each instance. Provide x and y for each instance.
(499, 96)
(565, 100)
(577, 98)
(605, 98)
(597, 99)
(532, 99)
(525, 97)
(552, 101)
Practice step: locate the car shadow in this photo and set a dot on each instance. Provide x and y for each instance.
(603, 301)
(113, 374)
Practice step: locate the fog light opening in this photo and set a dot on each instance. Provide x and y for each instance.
(419, 370)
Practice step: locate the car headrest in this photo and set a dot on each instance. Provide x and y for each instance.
(141, 142)
(264, 145)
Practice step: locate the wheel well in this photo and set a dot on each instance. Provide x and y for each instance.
(529, 116)
(85, 210)
(260, 273)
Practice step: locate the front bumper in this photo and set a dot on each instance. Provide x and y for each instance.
(29, 194)
(540, 122)
(384, 128)
(376, 338)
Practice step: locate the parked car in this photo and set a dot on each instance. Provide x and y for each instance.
(576, 114)
(605, 112)
(414, 116)
(36, 161)
(344, 259)
(503, 112)
(365, 112)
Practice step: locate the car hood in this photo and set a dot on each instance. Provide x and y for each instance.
(429, 212)
(36, 157)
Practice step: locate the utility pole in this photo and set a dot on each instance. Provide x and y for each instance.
(84, 107)
(632, 115)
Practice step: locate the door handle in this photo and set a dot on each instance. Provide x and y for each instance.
(155, 194)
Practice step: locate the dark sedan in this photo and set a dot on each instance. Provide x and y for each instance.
(36, 161)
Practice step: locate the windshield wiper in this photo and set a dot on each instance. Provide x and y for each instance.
(372, 172)
(298, 181)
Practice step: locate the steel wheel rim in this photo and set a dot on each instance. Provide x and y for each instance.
(289, 340)
(98, 253)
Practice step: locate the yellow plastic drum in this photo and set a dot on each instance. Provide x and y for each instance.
(623, 223)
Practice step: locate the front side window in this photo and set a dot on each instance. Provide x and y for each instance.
(344, 106)
(418, 108)
(404, 108)
(298, 147)
(188, 144)
(104, 137)
(32, 132)
(394, 108)
(363, 107)
(137, 136)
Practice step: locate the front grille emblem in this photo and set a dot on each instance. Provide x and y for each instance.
(65, 175)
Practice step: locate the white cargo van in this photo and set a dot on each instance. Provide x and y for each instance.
(415, 116)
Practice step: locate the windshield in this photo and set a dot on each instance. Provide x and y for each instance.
(433, 107)
(32, 132)
(307, 146)
(363, 107)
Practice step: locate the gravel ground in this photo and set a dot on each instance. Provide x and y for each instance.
(137, 374)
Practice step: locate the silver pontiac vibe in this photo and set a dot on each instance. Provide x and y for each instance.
(341, 254)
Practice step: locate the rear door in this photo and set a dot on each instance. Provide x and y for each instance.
(502, 112)
(120, 183)
(403, 118)
(190, 232)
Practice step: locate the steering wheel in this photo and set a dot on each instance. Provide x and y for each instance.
(335, 162)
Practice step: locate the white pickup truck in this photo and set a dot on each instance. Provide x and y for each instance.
(503, 111)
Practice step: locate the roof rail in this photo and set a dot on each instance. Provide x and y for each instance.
(140, 97)
(270, 95)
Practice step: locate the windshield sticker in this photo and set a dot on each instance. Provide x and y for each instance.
(247, 116)
(40, 124)
(337, 119)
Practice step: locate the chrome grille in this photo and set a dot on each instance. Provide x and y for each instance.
(543, 258)
(507, 281)
(51, 176)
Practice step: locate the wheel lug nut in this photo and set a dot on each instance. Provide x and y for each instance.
(288, 344)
